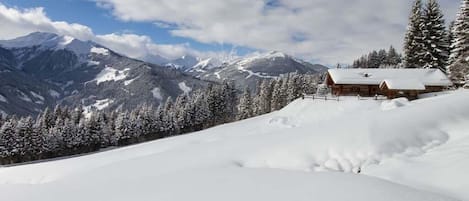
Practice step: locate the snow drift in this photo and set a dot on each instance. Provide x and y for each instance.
(312, 149)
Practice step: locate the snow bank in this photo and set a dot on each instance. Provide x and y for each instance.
(395, 103)
(278, 156)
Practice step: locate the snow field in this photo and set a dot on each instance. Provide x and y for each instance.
(297, 153)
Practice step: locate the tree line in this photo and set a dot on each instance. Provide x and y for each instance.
(66, 131)
(429, 44)
(379, 59)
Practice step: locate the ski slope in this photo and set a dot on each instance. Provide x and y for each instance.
(310, 150)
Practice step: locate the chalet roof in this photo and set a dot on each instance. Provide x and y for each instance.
(397, 77)
(403, 84)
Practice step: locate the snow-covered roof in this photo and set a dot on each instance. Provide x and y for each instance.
(375, 76)
(402, 84)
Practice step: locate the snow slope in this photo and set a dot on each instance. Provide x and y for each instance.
(310, 150)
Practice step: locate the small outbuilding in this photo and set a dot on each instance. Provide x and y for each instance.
(392, 83)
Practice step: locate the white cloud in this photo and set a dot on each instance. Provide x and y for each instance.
(18, 22)
(329, 31)
(323, 30)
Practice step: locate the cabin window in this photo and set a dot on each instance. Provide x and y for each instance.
(355, 89)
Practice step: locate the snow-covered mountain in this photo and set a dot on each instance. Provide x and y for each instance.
(183, 63)
(247, 72)
(41, 69)
(298, 153)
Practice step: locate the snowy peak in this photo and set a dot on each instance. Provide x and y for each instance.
(50, 41)
(275, 54)
(33, 39)
(185, 62)
(206, 64)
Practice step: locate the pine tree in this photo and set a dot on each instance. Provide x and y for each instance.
(8, 141)
(167, 115)
(24, 134)
(393, 58)
(382, 55)
(245, 106)
(202, 111)
(413, 42)
(293, 88)
(264, 96)
(123, 128)
(459, 69)
(180, 109)
(435, 37)
(277, 96)
(460, 43)
(373, 60)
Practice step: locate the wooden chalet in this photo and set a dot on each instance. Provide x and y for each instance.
(392, 83)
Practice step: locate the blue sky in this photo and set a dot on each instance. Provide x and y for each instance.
(321, 31)
(102, 22)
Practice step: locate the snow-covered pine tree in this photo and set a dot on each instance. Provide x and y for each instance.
(230, 98)
(450, 41)
(413, 42)
(264, 96)
(180, 109)
(202, 111)
(393, 58)
(374, 60)
(147, 119)
(435, 37)
(168, 117)
(382, 55)
(364, 62)
(23, 134)
(293, 88)
(245, 106)
(459, 69)
(276, 102)
(93, 132)
(123, 128)
(460, 43)
(8, 141)
(284, 92)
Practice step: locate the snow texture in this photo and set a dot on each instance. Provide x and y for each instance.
(157, 93)
(98, 105)
(428, 77)
(23, 96)
(127, 82)
(3, 99)
(403, 84)
(37, 96)
(93, 63)
(3, 113)
(298, 153)
(111, 74)
(100, 50)
(54, 93)
(184, 87)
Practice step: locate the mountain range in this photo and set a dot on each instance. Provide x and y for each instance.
(41, 70)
